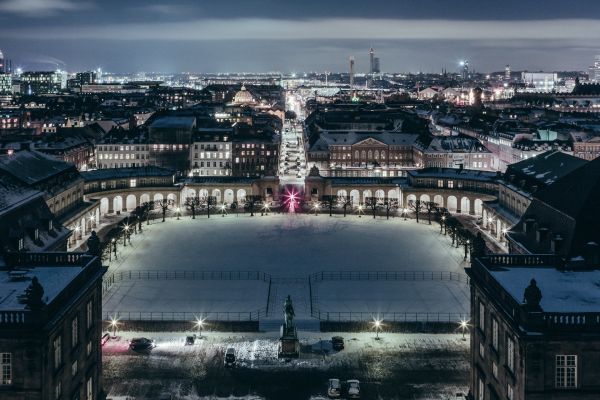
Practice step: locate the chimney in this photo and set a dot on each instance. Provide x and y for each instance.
(528, 225)
(591, 254)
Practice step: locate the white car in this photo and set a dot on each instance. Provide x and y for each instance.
(353, 388)
(334, 389)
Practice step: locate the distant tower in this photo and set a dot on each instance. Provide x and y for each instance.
(595, 70)
(465, 69)
(507, 72)
(371, 61)
(2, 66)
(351, 72)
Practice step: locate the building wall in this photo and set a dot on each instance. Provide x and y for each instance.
(211, 158)
(122, 155)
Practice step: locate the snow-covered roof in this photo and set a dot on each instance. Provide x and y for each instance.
(562, 291)
(53, 279)
(31, 167)
(116, 173)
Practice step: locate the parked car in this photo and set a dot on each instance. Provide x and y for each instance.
(334, 389)
(337, 342)
(141, 344)
(230, 357)
(189, 340)
(353, 388)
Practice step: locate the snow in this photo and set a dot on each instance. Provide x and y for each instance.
(416, 366)
(562, 291)
(289, 248)
(53, 279)
(387, 299)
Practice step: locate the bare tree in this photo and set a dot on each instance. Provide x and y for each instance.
(208, 202)
(416, 206)
(344, 201)
(330, 200)
(431, 208)
(371, 202)
(192, 203)
(164, 206)
(390, 204)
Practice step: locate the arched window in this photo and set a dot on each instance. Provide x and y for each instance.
(382, 154)
(363, 155)
(370, 155)
(356, 154)
(376, 155)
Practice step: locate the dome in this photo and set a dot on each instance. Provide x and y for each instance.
(243, 96)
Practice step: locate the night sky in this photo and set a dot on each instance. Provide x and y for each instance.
(299, 35)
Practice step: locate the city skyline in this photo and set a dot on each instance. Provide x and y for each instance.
(264, 35)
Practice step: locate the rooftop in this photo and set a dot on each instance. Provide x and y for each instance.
(116, 173)
(52, 278)
(546, 168)
(562, 291)
(184, 122)
(31, 167)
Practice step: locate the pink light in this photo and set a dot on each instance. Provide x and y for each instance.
(291, 200)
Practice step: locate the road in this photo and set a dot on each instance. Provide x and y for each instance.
(292, 161)
(398, 366)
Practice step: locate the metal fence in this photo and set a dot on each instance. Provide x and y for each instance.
(342, 316)
(186, 316)
(389, 276)
(157, 275)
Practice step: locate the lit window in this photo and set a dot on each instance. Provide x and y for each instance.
(74, 332)
(132, 183)
(481, 316)
(566, 371)
(495, 334)
(510, 354)
(89, 314)
(495, 370)
(57, 344)
(6, 365)
(74, 368)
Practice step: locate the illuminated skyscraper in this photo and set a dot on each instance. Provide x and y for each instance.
(595, 70)
(507, 72)
(372, 61)
(2, 67)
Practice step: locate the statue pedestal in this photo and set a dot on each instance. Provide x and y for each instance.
(289, 346)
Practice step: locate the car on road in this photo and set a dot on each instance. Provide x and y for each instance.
(189, 340)
(230, 357)
(141, 344)
(353, 389)
(334, 389)
(337, 342)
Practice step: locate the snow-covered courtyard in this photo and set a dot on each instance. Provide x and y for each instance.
(289, 250)
(397, 366)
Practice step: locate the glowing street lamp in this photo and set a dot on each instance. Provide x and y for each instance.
(377, 324)
(178, 212)
(92, 220)
(125, 234)
(223, 210)
(464, 326)
(113, 324)
(442, 223)
(199, 324)
(360, 210)
(405, 212)
(316, 207)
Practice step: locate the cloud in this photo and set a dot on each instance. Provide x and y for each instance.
(40, 7)
(327, 28)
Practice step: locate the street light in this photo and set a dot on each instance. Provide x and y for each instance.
(113, 324)
(92, 220)
(464, 326)
(316, 207)
(405, 211)
(377, 324)
(125, 233)
(114, 247)
(223, 209)
(266, 208)
(199, 324)
(360, 210)
(178, 212)
(442, 223)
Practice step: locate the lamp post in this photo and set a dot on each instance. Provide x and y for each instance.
(442, 223)
(266, 208)
(178, 212)
(404, 212)
(199, 324)
(377, 325)
(463, 325)
(114, 246)
(223, 210)
(360, 209)
(316, 208)
(113, 324)
(125, 234)
(467, 243)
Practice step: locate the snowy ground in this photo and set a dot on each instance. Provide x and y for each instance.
(398, 366)
(290, 248)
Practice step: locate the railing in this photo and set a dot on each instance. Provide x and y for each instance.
(342, 316)
(187, 275)
(186, 316)
(14, 317)
(36, 259)
(571, 319)
(389, 276)
(522, 260)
